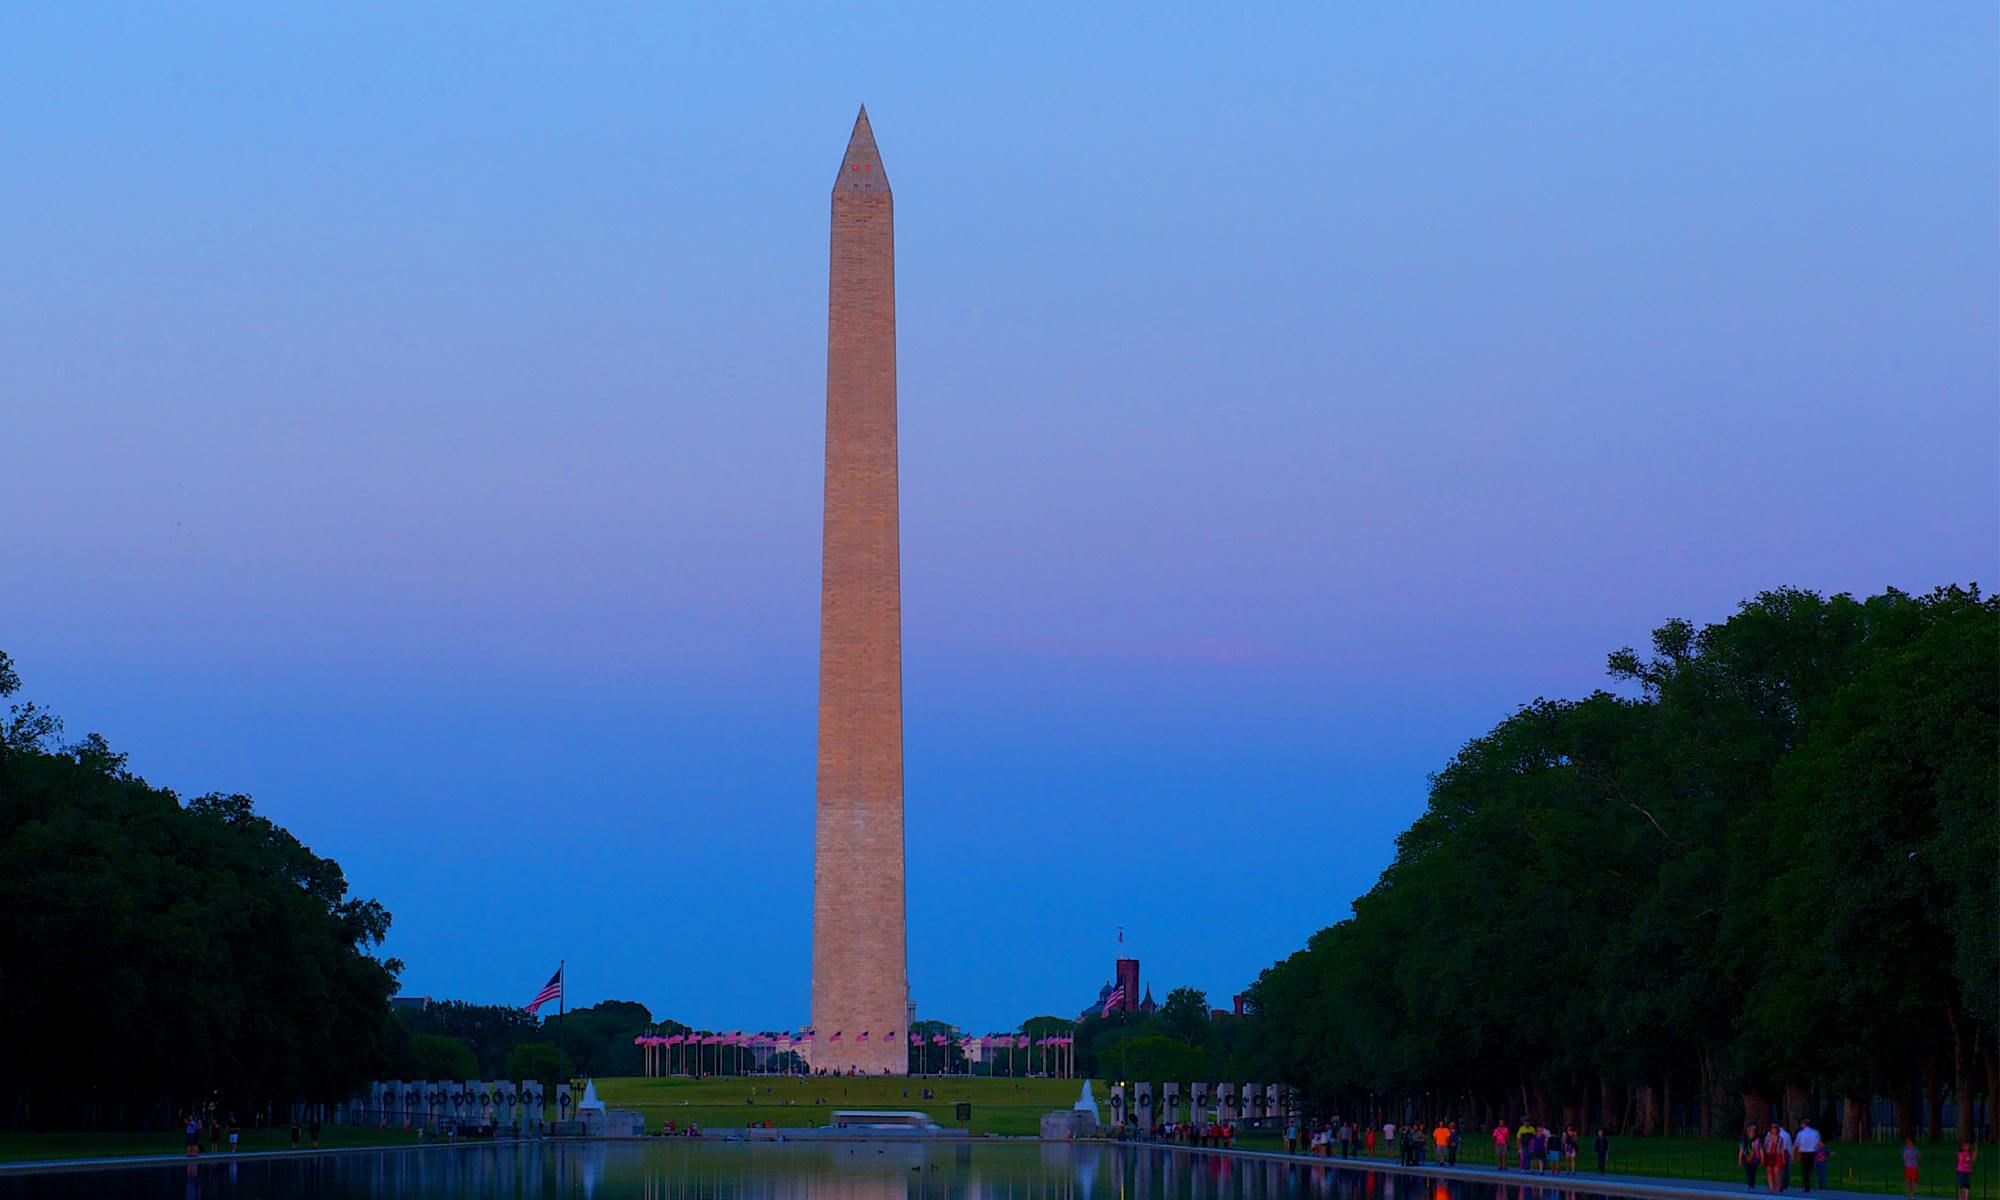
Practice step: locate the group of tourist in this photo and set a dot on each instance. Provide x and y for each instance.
(1533, 1147)
(1215, 1135)
(1912, 1161)
(1771, 1150)
(1537, 1149)
(196, 1125)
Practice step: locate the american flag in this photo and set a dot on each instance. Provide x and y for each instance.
(552, 990)
(1114, 1001)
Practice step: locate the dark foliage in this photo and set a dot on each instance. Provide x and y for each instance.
(1767, 879)
(158, 955)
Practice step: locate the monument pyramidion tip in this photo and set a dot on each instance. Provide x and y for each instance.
(861, 167)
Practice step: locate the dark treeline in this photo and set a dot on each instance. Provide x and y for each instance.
(159, 956)
(452, 1039)
(1762, 887)
(1182, 1042)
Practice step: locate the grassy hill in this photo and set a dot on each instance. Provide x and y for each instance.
(1007, 1106)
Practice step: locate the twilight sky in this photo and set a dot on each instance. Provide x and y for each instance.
(411, 415)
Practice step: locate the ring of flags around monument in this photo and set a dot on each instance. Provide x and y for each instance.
(662, 1050)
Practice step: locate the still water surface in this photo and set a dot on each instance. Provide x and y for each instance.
(685, 1170)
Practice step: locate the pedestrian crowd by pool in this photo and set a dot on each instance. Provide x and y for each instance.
(1772, 1150)
(214, 1128)
(1219, 1135)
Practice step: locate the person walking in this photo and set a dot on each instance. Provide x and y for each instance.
(1368, 1142)
(235, 1133)
(1524, 1133)
(1501, 1136)
(1603, 1147)
(1911, 1158)
(1441, 1139)
(1806, 1147)
(1292, 1138)
(193, 1131)
(1451, 1146)
(1785, 1171)
(1571, 1143)
(312, 1130)
(1747, 1156)
(1774, 1156)
(1967, 1155)
(1346, 1135)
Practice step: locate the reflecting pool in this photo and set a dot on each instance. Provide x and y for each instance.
(696, 1170)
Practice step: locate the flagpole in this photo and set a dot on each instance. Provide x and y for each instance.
(562, 1006)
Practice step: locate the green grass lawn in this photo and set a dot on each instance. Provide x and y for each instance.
(36, 1147)
(1005, 1106)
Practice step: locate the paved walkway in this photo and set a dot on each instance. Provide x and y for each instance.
(1647, 1187)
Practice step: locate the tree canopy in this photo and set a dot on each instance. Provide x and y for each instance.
(158, 953)
(1764, 876)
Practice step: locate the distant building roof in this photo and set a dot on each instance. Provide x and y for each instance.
(1096, 1008)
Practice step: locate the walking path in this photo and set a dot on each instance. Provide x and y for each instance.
(1645, 1187)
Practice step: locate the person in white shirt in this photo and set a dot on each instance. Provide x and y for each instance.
(1785, 1171)
(1807, 1149)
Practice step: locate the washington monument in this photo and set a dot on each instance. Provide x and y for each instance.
(860, 980)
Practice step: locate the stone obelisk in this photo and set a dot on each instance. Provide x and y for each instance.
(860, 981)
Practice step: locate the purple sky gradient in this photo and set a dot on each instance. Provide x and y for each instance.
(415, 422)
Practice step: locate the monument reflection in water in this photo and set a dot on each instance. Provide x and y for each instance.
(688, 1170)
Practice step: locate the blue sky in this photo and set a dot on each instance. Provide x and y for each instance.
(411, 416)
